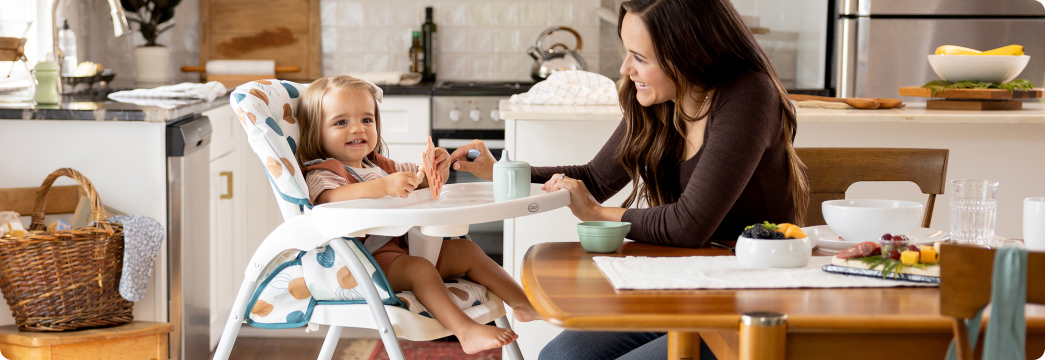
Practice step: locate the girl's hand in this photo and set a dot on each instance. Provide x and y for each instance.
(401, 184)
(442, 162)
(481, 167)
(582, 204)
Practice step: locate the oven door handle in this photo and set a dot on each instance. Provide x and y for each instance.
(456, 143)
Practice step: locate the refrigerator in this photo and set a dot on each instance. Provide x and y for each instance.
(882, 44)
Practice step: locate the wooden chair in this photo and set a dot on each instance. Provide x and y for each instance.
(965, 288)
(832, 170)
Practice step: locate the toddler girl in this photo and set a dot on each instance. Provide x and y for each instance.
(340, 152)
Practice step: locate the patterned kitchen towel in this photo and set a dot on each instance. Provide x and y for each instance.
(570, 87)
(142, 237)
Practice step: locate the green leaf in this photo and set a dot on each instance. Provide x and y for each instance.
(769, 226)
(937, 86)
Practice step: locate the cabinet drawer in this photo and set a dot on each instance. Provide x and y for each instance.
(405, 119)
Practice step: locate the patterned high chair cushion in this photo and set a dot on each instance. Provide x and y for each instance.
(287, 296)
(266, 109)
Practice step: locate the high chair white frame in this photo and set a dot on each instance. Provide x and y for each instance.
(389, 320)
(258, 105)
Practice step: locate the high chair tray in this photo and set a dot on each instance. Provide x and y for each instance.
(458, 206)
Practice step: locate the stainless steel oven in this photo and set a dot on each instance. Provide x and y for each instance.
(466, 111)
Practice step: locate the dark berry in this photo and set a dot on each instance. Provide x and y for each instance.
(887, 237)
(912, 247)
(899, 238)
(894, 254)
(778, 235)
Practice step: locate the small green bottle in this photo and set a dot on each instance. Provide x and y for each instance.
(46, 73)
(417, 54)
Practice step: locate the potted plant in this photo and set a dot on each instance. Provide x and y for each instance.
(152, 60)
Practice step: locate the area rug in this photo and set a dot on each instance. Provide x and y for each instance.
(415, 350)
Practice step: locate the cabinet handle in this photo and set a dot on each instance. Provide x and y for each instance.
(228, 186)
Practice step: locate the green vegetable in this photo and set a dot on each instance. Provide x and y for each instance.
(769, 226)
(889, 266)
(940, 85)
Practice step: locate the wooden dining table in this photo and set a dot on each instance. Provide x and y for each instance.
(568, 290)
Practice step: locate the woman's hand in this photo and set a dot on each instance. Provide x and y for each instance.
(582, 204)
(401, 184)
(442, 162)
(481, 167)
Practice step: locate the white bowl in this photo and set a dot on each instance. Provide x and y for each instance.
(867, 220)
(986, 68)
(766, 253)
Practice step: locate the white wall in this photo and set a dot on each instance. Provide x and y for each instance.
(126, 162)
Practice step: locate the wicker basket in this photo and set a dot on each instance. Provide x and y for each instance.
(68, 279)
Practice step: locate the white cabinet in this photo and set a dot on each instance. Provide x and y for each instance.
(548, 143)
(405, 126)
(243, 211)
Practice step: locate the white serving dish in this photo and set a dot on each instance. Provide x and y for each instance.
(862, 220)
(766, 253)
(831, 242)
(986, 68)
(458, 206)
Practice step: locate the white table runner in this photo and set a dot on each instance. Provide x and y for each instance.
(724, 272)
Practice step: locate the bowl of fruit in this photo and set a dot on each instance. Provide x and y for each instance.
(956, 63)
(769, 245)
(867, 219)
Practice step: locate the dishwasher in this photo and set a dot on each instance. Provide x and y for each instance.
(188, 231)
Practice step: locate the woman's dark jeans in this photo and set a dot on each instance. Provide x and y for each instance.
(605, 345)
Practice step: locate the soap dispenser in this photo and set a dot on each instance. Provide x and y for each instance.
(511, 179)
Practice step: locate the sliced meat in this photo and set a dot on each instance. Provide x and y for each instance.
(863, 249)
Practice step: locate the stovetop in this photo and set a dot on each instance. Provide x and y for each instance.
(481, 88)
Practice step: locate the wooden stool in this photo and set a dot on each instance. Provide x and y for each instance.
(137, 340)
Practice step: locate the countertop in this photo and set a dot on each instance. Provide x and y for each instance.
(96, 106)
(914, 112)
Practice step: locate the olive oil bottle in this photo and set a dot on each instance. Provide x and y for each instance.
(429, 42)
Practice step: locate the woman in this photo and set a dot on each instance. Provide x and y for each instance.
(706, 141)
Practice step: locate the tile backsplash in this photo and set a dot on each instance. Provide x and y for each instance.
(477, 40)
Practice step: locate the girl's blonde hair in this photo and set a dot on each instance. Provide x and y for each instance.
(310, 114)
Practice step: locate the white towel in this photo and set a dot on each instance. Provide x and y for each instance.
(570, 87)
(724, 272)
(171, 96)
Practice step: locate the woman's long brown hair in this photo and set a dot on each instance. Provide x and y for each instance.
(700, 44)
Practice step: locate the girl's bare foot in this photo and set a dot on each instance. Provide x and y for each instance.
(484, 337)
(526, 313)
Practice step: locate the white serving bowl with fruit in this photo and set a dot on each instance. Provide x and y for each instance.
(956, 63)
(770, 245)
(867, 219)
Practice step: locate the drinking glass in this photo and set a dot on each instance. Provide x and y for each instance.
(1034, 223)
(974, 211)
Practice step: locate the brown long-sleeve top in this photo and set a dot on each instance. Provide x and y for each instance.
(738, 177)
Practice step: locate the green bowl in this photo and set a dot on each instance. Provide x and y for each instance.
(602, 236)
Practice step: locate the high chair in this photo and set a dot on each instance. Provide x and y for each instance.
(266, 110)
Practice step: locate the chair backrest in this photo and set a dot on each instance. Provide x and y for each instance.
(965, 285)
(266, 109)
(832, 170)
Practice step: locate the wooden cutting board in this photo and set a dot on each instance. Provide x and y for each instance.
(981, 94)
(282, 30)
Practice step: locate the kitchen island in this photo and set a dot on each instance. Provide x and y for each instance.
(997, 145)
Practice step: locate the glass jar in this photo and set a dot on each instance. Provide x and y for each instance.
(897, 243)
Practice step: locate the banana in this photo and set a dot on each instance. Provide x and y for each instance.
(1005, 50)
(960, 50)
(956, 50)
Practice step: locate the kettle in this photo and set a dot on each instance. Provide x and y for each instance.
(558, 57)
